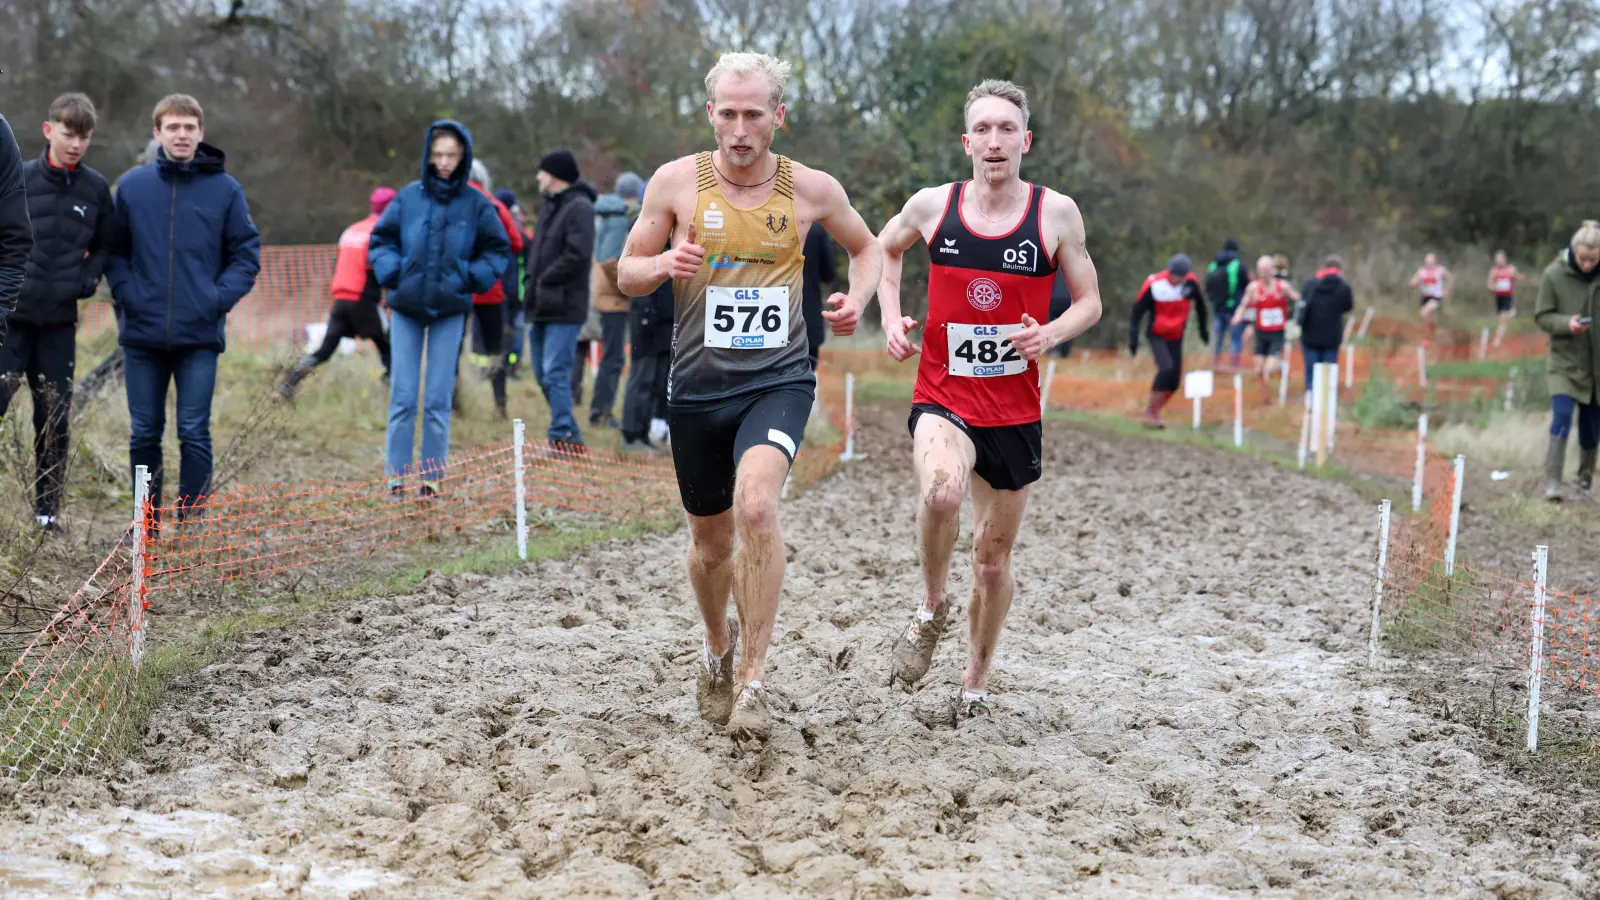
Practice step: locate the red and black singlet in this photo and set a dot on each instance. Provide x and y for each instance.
(978, 289)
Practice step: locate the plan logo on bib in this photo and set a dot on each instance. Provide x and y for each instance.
(983, 294)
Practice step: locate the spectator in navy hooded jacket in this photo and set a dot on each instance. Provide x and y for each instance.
(16, 234)
(436, 245)
(184, 252)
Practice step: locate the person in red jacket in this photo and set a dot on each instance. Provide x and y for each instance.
(1167, 297)
(489, 307)
(356, 296)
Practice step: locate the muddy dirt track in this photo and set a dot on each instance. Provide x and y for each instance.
(1182, 710)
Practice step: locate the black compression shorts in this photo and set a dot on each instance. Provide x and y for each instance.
(1009, 456)
(1269, 343)
(1502, 302)
(709, 441)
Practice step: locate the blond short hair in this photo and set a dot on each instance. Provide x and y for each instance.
(744, 65)
(1588, 234)
(1005, 90)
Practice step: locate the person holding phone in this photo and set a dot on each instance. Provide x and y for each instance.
(1567, 299)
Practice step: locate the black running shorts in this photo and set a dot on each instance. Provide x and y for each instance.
(709, 441)
(1502, 302)
(1008, 455)
(1269, 343)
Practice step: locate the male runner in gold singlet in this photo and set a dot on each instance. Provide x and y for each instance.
(741, 385)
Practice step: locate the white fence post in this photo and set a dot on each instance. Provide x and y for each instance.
(1483, 345)
(517, 436)
(1333, 403)
(1044, 389)
(1283, 375)
(1422, 365)
(1509, 387)
(136, 616)
(1350, 365)
(1238, 410)
(1365, 321)
(849, 453)
(1305, 433)
(1422, 460)
(1541, 563)
(1455, 516)
(1377, 582)
(1319, 372)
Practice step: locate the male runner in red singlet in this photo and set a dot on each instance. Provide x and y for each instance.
(1434, 282)
(1270, 298)
(995, 243)
(1503, 280)
(740, 385)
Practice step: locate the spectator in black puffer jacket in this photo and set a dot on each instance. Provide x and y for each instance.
(1325, 300)
(16, 238)
(70, 205)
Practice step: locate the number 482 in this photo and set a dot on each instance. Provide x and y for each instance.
(985, 352)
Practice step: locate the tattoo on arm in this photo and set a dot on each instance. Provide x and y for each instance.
(1083, 249)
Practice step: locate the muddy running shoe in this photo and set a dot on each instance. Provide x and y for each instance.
(714, 681)
(751, 719)
(913, 650)
(971, 705)
(430, 490)
(396, 492)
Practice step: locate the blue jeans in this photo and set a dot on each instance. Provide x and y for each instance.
(1562, 407)
(1316, 355)
(552, 348)
(147, 373)
(1221, 326)
(408, 337)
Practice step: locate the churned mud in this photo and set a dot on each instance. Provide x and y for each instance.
(1181, 708)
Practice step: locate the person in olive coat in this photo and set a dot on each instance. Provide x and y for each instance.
(1566, 309)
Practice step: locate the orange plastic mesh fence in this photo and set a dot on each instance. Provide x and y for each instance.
(62, 700)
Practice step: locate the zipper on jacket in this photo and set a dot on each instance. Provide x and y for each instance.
(172, 229)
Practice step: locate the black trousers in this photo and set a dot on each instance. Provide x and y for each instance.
(353, 319)
(45, 355)
(1169, 363)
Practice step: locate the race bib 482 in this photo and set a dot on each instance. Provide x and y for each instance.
(983, 351)
(747, 318)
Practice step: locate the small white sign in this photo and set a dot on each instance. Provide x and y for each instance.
(1198, 385)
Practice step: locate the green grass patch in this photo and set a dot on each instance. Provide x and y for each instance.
(870, 391)
(1497, 369)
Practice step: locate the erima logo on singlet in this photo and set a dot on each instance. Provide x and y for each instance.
(949, 246)
(713, 217)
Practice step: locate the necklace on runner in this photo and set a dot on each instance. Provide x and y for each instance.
(992, 219)
(737, 184)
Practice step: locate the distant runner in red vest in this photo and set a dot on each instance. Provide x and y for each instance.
(1503, 280)
(995, 243)
(356, 296)
(1271, 297)
(1435, 282)
(1166, 297)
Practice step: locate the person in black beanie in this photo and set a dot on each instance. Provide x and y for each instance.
(556, 297)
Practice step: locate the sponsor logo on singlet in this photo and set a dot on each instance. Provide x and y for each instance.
(713, 218)
(1022, 258)
(983, 294)
(738, 259)
(950, 246)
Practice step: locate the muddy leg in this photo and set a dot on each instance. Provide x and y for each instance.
(999, 515)
(758, 565)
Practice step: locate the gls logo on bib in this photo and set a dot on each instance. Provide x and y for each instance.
(713, 218)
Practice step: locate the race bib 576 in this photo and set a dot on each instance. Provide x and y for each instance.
(747, 318)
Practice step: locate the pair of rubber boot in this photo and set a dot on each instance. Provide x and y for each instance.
(1555, 461)
(1152, 410)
